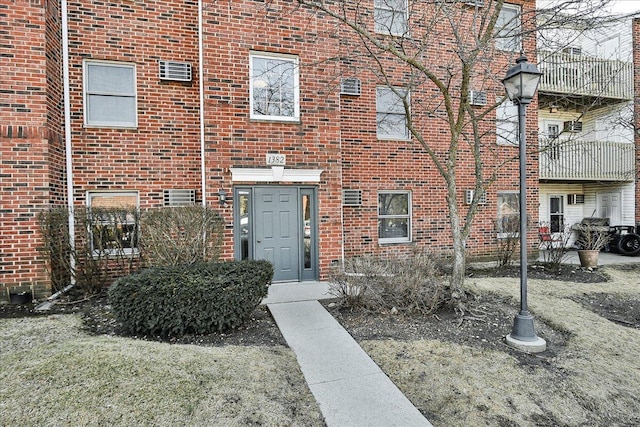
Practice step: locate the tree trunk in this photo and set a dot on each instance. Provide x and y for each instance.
(456, 282)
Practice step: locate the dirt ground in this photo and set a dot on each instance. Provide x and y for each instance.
(483, 326)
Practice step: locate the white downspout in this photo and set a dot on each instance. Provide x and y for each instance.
(50, 301)
(67, 135)
(201, 87)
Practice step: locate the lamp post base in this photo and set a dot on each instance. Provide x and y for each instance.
(536, 346)
(523, 336)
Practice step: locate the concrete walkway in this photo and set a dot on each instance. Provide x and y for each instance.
(349, 387)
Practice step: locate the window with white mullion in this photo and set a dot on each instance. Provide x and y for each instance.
(507, 124)
(390, 17)
(110, 94)
(391, 117)
(508, 29)
(274, 91)
(394, 216)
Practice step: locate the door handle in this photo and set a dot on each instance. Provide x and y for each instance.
(259, 241)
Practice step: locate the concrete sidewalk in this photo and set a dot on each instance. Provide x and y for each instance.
(349, 387)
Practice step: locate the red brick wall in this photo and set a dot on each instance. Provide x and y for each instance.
(372, 165)
(335, 134)
(24, 164)
(234, 140)
(163, 151)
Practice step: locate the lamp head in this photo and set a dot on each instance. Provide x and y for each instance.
(521, 81)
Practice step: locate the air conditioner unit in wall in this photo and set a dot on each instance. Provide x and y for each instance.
(352, 197)
(350, 86)
(477, 97)
(572, 50)
(179, 197)
(575, 199)
(573, 126)
(177, 71)
(468, 197)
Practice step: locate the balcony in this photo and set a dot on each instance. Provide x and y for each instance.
(576, 160)
(579, 79)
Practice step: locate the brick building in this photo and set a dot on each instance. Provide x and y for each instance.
(266, 111)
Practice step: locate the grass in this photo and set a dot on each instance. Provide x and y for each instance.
(54, 374)
(594, 381)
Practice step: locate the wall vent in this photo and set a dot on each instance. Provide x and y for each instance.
(477, 97)
(477, 3)
(572, 50)
(573, 126)
(350, 86)
(352, 197)
(468, 197)
(179, 197)
(575, 199)
(178, 71)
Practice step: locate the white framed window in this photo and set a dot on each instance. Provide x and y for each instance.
(390, 17)
(113, 222)
(394, 216)
(508, 29)
(507, 124)
(556, 214)
(508, 218)
(274, 87)
(391, 118)
(110, 94)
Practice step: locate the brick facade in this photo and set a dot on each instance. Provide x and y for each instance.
(336, 134)
(30, 139)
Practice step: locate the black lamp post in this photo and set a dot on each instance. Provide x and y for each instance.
(521, 83)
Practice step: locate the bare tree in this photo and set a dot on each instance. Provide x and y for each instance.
(475, 42)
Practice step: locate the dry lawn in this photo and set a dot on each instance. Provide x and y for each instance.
(593, 381)
(54, 374)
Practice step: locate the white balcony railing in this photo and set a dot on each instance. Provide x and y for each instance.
(587, 160)
(584, 75)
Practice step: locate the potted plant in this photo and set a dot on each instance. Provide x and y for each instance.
(591, 237)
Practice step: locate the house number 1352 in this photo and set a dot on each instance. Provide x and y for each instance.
(276, 160)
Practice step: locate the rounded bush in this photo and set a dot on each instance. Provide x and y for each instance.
(190, 299)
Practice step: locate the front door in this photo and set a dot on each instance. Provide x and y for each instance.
(277, 223)
(277, 237)
(609, 207)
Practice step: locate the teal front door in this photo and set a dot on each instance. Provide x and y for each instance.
(277, 237)
(277, 223)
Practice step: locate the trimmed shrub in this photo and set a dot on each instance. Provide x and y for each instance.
(190, 299)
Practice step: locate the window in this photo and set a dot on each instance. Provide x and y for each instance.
(508, 34)
(113, 222)
(556, 214)
(110, 94)
(390, 17)
(274, 87)
(394, 216)
(508, 221)
(507, 123)
(391, 117)
(553, 145)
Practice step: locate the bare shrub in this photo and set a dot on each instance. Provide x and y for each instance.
(555, 246)
(508, 231)
(411, 284)
(104, 247)
(181, 235)
(591, 236)
(56, 248)
(108, 242)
